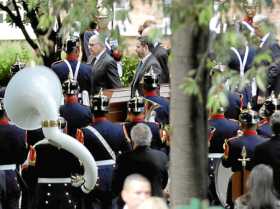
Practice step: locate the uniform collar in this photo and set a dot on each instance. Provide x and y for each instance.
(217, 116)
(150, 93)
(72, 57)
(264, 121)
(71, 99)
(249, 132)
(4, 122)
(99, 119)
(137, 119)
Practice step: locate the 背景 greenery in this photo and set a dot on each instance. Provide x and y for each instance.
(9, 51)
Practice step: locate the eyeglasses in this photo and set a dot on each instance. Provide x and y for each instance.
(92, 44)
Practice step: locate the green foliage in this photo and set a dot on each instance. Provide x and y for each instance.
(198, 204)
(8, 54)
(205, 14)
(129, 64)
(191, 87)
(45, 21)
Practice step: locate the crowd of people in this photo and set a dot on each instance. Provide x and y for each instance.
(132, 156)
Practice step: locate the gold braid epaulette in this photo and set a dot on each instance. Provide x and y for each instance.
(226, 149)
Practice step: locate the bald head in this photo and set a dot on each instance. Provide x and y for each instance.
(131, 179)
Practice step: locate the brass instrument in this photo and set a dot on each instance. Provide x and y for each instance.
(150, 107)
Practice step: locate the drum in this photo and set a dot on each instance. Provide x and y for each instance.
(219, 177)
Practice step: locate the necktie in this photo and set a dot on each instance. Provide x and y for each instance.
(93, 61)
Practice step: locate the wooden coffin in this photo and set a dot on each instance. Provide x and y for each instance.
(120, 97)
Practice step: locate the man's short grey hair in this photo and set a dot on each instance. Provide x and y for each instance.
(98, 39)
(141, 135)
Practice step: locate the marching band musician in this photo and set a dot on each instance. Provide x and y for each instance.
(53, 168)
(248, 139)
(105, 141)
(269, 107)
(76, 115)
(224, 129)
(150, 90)
(71, 67)
(13, 152)
(135, 115)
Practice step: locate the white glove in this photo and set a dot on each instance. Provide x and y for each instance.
(77, 180)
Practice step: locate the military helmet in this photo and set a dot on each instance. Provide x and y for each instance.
(100, 103)
(71, 44)
(270, 105)
(2, 109)
(249, 116)
(16, 67)
(70, 87)
(136, 104)
(151, 80)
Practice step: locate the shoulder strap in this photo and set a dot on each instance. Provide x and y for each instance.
(71, 76)
(103, 142)
(77, 70)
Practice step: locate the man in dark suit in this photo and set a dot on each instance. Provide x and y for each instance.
(71, 67)
(148, 61)
(104, 67)
(143, 160)
(159, 52)
(268, 152)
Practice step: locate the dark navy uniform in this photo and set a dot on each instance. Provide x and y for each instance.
(150, 88)
(162, 113)
(242, 147)
(105, 157)
(76, 115)
(250, 140)
(235, 104)
(264, 129)
(63, 71)
(136, 115)
(13, 152)
(224, 129)
(53, 168)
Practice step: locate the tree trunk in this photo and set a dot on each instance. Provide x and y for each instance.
(188, 118)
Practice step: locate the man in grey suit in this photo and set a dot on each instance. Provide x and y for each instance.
(148, 62)
(104, 67)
